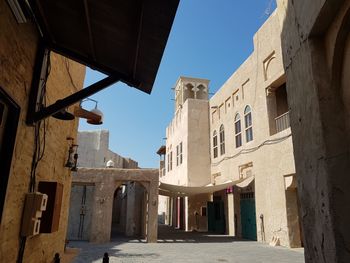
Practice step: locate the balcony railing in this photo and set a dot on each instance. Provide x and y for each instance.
(282, 122)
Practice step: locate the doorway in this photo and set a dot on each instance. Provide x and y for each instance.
(80, 212)
(248, 215)
(128, 213)
(216, 216)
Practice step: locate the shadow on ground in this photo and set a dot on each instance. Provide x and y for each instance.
(91, 252)
(167, 234)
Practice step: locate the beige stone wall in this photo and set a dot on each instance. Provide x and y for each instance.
(248, 86)
(315, 41)
(195, 203)
(269, 155)
(189, 126)
(177, 132)
(17, 55)
(94, 151)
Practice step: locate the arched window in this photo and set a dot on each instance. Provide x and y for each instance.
(248, 124)
(215, 144)
(222, 140)
(238, 131)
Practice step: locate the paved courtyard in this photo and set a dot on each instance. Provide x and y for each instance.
(182, 247)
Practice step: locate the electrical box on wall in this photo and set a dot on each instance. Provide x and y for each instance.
(51, 217)
(35, 204)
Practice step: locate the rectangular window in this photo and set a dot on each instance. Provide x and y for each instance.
(222, 141)
(215, 146)
(238, 136)
(249, 134)
(238, 140)
(177, 155)
(180, 152)
(171, 161)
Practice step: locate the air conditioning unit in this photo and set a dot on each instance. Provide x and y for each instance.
(18, 8)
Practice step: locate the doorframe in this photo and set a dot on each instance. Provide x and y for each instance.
(8, 145)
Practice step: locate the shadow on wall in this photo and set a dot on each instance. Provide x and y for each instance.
(316, 56)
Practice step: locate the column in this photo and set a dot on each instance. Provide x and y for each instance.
(152, 224)
(230, 215)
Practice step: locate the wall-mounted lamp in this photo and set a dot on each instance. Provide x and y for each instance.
(94, 116)
(72, 155)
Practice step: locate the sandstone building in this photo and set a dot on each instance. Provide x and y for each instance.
(128, 211)
(18, 140)
(241, 134)
(316, 55)
(39, 82)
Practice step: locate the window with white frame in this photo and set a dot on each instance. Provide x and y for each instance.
(171, 161)
(179, 154)
(215, 144)
(248, 124)
(238, 131)
(222, 140)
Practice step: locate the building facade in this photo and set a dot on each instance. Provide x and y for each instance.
(316, 55)
(241, 132)
(111, 188)
(19, 143)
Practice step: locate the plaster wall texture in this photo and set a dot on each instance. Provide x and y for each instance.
(315, 52)
(75, 211)
(176, 133)
(17, 55)
(197, 222)
(190, 126)
(269, 156)
(94, 152)
(106, 181)
(249, 84)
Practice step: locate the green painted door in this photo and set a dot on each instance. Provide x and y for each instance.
(248, 218)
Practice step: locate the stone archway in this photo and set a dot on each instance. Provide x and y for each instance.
(129, 213)
(106, 181)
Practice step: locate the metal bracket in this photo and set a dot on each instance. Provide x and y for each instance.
(36, 112)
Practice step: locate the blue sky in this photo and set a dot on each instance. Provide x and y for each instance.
(209, 39)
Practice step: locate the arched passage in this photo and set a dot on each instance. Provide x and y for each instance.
(128, 213)
(107, 181)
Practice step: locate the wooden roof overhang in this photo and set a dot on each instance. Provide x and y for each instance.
(125, 40)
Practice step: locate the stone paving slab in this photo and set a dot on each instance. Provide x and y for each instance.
(189, 250)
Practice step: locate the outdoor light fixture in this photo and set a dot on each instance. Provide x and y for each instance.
(72, 158)
(94, 116)
(63, 115)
